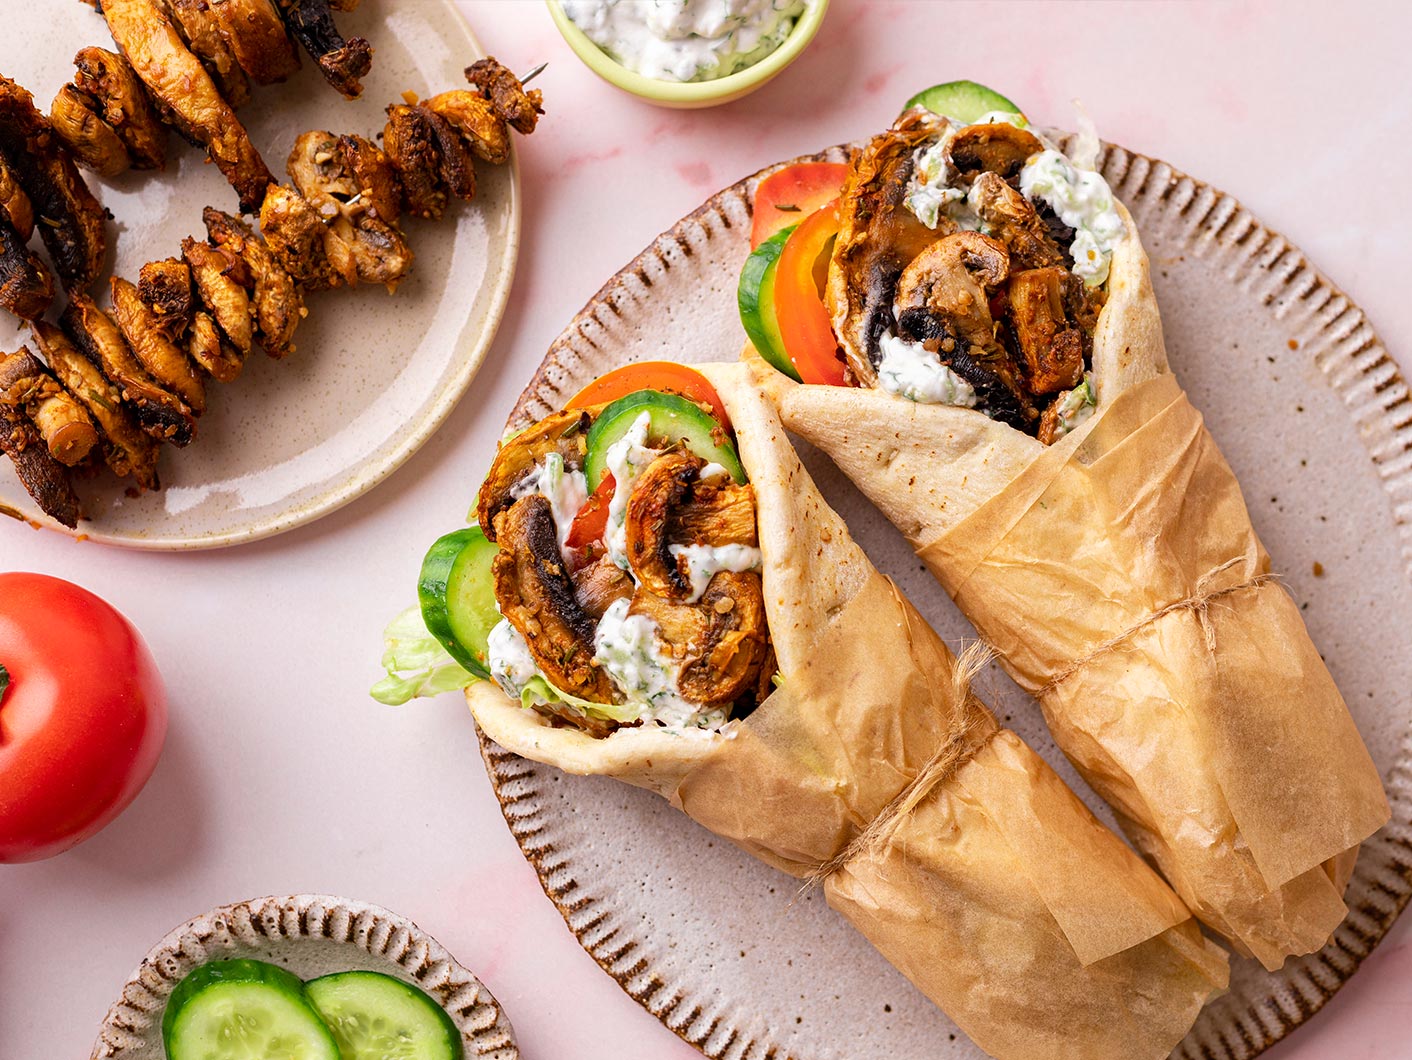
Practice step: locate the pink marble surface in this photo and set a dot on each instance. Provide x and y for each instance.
(281, 776)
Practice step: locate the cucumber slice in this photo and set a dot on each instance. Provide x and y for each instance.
(458, 597)
(963, 101)
(674, 419)
(377, 1017)
(756, 298)
(243, 1010)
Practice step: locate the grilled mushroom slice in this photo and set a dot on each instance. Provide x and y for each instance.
(564, 432)
(1053, 346)
(256, 35)
(1012, 219)
(126, 449)
(378, 186)
(218, 275)
(158, 411)
(92, 141)
(410, 143)
(278, 304)
(73, 220)
(536, 594)
(722, 640)
(106, 78)
(600, 585)
(473, 116)
(343, 62)
(167, 362)
(670, 505)
(877, 237)
(203, 35)
(63, 423)
(181, 85)
(46, 480)
(1000, 148)
(507, 95)
(165, 286)
(208, 348)
(306, 248)
(26, 288)
(14, 203)
(454, 164)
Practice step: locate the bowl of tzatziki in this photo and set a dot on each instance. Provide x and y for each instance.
(688, 53)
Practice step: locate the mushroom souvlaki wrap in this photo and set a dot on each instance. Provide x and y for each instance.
(660, 594)
(1003, 396)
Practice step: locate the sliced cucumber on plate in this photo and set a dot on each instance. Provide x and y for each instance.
(244, 1010)
(963, 101)
(376, 1017)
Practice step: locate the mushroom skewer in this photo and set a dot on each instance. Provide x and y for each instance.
(63, 423)
(343, 62)
(45, 478)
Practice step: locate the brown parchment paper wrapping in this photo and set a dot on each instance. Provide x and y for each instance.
(942, 837)
(1123, 584)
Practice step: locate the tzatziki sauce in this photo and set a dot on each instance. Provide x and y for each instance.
(686, 40)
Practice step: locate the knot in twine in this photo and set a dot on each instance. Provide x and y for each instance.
(1198, 602)
(977, 727)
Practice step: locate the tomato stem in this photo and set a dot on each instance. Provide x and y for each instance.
(4, 682)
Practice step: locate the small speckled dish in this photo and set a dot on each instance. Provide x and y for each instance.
(693, 94)
(311, 935)
(372, 376)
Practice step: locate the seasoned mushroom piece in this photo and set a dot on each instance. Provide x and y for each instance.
(722, 640)
(45, 478)
(63, 423)
(506, 94)
(257, 37)
(564, 432)
(454, 165)
(203, 35)
(379, 190)
(26, 288)
(670, 505)
(126, 449)
(106, 78)
(536, 595)
(600, 585)
(208, 348)
(219, 276)
(410, 143)
(302, 243)
(167, 362)
(1000, 148)
(1012, 219)
(1052, 346)
(343, 62)
(91, 140)
(165, 286)
(14, 203)
(278, 304)
(878, 235)
(73, 221)
(181, 85)
(158, 411)
(473, 116)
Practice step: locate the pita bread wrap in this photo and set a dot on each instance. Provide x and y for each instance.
(1118, 575)
(874, 771)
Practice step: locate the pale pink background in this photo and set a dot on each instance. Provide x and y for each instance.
(281, 776)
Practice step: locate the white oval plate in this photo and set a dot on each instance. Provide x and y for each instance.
(311, 935)
(1317, 422)
(373, 375)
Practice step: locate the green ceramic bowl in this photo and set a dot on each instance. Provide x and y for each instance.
(692, 93)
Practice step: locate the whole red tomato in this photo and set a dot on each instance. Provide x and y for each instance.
(82, 715)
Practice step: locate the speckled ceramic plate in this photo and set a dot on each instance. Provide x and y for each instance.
(1316, 420)
(311, 935)
(373, 376)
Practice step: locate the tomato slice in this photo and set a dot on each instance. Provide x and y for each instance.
(799, 303)
(667, 376)
(591, 523)
(789, 195)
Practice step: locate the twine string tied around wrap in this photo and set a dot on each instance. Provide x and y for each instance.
(1199, 602)
(958, 748)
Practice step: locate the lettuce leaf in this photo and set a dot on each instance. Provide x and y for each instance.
(416, 663)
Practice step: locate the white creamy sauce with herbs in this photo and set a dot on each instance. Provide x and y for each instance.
(566, 491)
(686, 40)
(508, 656)
(1076, 406)
(1081, 199)
(627, 648)
(931, 195)
(704, 562)
(910, 370)
(627, 459)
